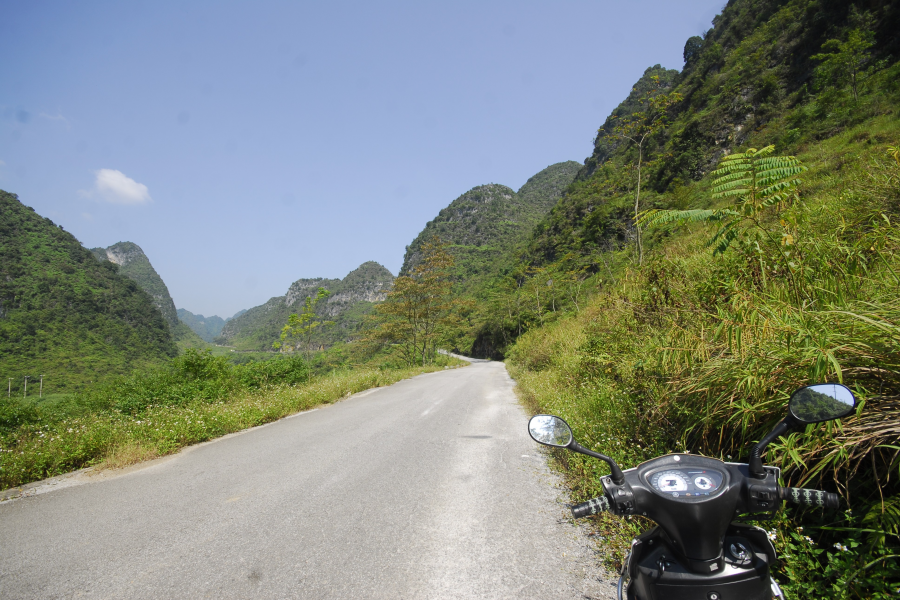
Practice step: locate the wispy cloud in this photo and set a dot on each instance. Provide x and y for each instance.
(57, 117)
(117, 188)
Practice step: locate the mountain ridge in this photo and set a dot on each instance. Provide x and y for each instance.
(350, 300)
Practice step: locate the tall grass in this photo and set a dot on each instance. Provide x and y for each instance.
(700, 353)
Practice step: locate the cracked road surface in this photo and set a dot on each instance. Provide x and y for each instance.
(429, 488)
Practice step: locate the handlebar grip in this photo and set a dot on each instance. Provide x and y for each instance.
(810, 497)
(591, 507)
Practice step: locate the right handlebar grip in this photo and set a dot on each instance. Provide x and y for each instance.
(591, 507)
(810, 497)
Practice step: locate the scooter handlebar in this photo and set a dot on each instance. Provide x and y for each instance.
(591, 507)
(810, 497)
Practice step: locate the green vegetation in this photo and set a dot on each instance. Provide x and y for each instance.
(304, 325)
(350, 300)
(65, 315)
(196, 397)
(135, 265)
(486, 230)
(207, 328)
(762, 272)
(417, 316)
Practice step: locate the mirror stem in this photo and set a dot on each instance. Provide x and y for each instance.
(756, 466)
(616, 473)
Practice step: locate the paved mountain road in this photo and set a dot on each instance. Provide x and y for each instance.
(430, 488)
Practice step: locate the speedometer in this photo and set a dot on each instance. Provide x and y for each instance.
(669, 481)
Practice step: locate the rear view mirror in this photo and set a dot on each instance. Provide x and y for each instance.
(550, 431)
(821, 402)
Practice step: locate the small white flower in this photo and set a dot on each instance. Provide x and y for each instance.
(800, 529)
(771, 535)
(841, 547)
(808, 539)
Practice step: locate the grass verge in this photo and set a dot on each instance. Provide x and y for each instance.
(115, 439)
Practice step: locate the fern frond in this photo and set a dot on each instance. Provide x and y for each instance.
(779, 187)
(731, 177)
(731, 168)
(730, 193)
(738, 179)
(653, 217)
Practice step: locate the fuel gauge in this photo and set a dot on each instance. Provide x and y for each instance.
(704, 483)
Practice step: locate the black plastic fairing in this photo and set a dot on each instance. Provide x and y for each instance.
(696, 527)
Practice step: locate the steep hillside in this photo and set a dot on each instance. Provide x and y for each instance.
(485, 225)
(691, 350)
(350, 300)
(750, 78)
(207, 328)
(64, 314)
(135, 265)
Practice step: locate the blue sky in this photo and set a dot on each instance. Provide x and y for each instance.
(244, 145)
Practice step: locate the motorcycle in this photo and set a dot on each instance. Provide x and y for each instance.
(697, 550)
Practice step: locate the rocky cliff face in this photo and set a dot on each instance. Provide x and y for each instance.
(350, 300)
(135, 265)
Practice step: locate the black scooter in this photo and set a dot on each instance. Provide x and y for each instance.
(698, 551)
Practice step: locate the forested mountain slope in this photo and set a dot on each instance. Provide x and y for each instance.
(208, 328)
(350, 300)
(487, 226)
(134, 264)
(66, 315)
(752, 76)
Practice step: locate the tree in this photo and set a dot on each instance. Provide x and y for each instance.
(842, 62)
(692, 49)
(304, 324)
(754, 179)
(638, 129)
(418, 311)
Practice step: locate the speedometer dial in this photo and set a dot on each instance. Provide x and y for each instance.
(669, 481)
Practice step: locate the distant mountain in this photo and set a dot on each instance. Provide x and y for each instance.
(351, 299)
(206, 327)
(487, 223)
(65, 315)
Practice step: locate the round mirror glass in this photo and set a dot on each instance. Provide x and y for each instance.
(550, 430)
(821, 402)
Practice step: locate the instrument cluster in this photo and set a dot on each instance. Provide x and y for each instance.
(686, 482)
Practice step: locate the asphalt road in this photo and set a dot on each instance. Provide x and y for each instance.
(430, 488)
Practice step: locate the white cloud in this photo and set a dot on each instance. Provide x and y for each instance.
(117, 188)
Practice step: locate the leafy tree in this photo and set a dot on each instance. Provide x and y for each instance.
(418, 312)
(843, 62)
(640, 127)
(692, 49)
(754, 179)
(305, 323)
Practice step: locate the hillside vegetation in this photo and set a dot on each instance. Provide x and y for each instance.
(351, 299)
(698, 348)
(208, 328)
(63, 314)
